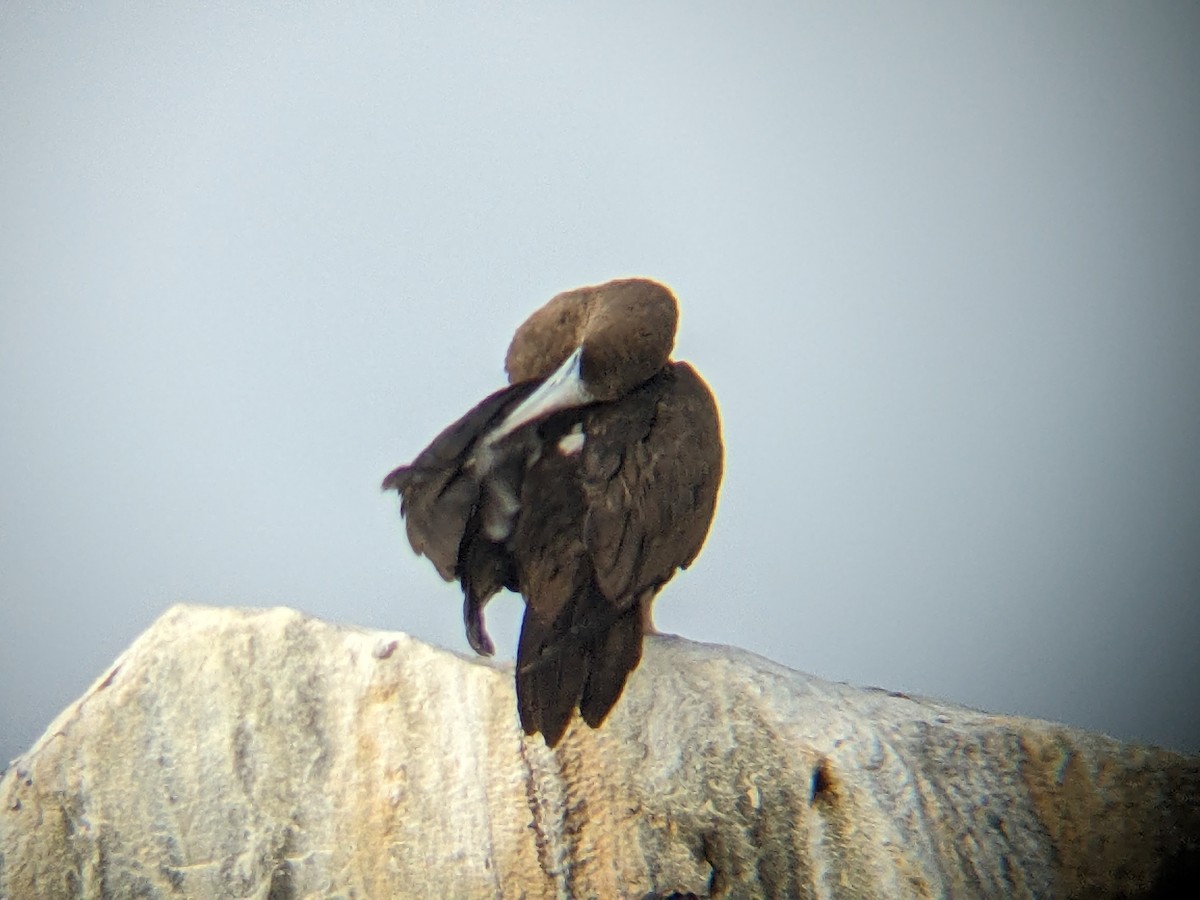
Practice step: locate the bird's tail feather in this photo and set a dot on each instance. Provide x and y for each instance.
(609, 664)
(580, 660)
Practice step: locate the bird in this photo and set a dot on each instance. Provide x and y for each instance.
(583, 485)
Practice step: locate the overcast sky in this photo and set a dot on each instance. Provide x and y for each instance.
(939, 263)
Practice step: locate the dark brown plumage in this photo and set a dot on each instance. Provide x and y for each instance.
(583, 485)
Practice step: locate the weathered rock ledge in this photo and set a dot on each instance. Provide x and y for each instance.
(261, 753)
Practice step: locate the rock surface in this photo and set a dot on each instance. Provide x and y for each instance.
(261, 753)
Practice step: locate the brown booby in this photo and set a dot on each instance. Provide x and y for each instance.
(583, 485)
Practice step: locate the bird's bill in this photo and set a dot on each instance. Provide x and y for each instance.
(562, 390)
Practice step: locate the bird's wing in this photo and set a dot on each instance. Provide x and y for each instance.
(651, 470)
(439, 491)
(600, 530)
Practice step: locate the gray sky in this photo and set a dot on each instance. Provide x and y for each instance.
(940, 265)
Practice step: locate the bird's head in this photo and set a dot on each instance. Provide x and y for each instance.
(622, 331)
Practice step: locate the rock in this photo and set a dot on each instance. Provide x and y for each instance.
(261, 753)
